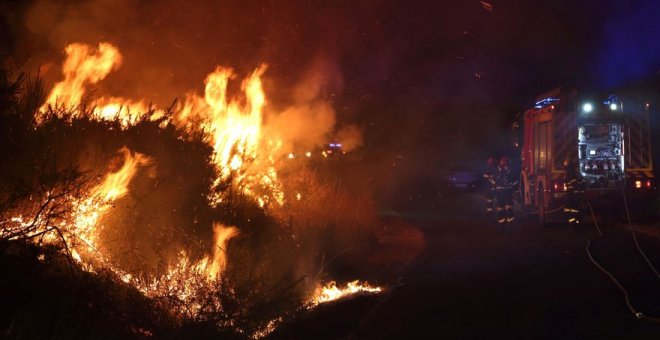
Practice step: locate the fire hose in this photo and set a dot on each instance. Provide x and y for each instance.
(536, 211)
(633, 310)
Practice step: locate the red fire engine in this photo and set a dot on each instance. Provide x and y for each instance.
(609, 138)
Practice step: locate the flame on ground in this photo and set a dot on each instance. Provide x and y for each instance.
(331, 291)
(323, 294)
(183, 280)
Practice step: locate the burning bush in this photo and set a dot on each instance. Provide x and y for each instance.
(191, 206)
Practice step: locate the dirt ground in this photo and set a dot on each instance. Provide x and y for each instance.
(471, 282)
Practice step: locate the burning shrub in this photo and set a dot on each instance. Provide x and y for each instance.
(186, 205)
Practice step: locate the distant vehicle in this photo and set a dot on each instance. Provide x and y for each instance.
(334, 149)
(609, 138)
(461, 176)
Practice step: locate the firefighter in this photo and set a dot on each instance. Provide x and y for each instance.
(574, 191)
(489, 177)
(504, 193)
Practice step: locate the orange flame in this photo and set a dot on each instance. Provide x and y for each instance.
(241, 153)
(88, 212)
(331, 292)
(222, 235)
(82, 66)
(234, 129)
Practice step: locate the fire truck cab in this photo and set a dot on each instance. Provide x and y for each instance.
(608, 137)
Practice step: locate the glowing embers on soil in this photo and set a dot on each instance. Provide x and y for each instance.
(331, 292)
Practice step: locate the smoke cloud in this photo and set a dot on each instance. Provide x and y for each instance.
(168, 48)
(310, 120)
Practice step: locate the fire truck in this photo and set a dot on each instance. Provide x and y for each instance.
(608, 136)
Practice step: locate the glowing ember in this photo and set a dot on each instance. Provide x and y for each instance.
(331, 292)
(270, 327)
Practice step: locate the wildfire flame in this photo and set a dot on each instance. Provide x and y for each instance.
(234, 130)
(185, 278)
(86, 66)
(87, 212)
(182, 279)
(241, 154)
(82, 66)
(331, 292)
(218, 263)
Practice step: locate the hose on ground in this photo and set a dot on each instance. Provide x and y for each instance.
(634, 236)
(633, 310)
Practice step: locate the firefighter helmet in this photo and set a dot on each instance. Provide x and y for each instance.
(492, 161)
(504, 161)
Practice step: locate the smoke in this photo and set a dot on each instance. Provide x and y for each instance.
(310, 120)
(350, 137)
(169, 47)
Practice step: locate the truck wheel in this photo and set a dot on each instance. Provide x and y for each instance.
(541, 202)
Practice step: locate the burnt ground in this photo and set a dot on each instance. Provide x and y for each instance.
(471, 282)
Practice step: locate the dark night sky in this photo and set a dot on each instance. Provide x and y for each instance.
(419, 77)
